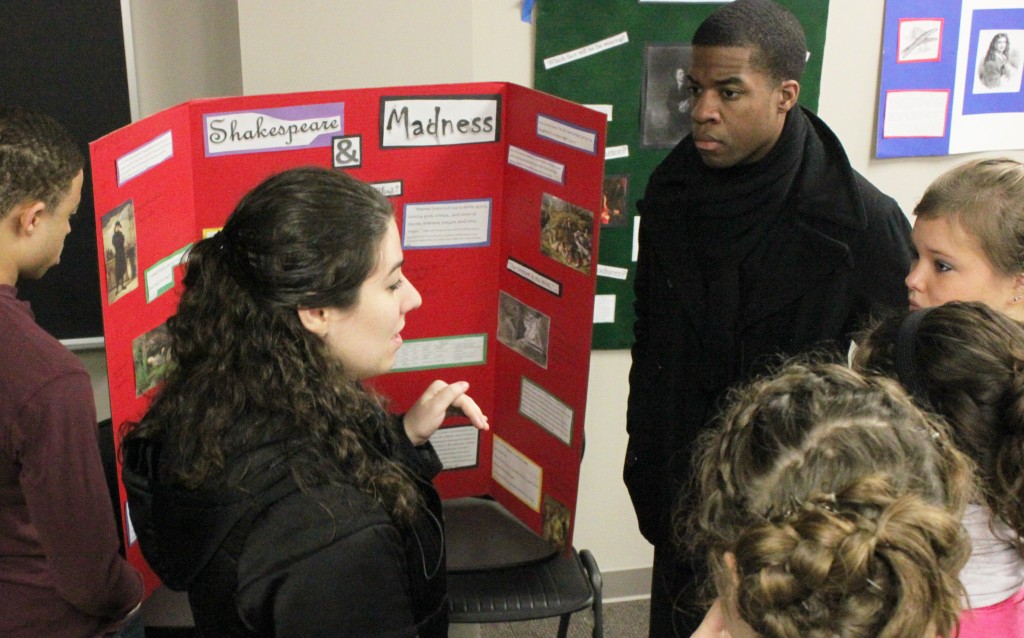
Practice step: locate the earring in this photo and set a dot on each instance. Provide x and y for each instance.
(1016, 300)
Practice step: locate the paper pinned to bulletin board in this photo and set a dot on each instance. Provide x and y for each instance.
(951, 77)
(621, 57)
(496, 189)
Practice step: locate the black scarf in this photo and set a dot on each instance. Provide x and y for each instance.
(720, 217)
(727, 211)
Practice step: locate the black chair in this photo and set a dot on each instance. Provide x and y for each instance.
(499, 570)
(108, 456)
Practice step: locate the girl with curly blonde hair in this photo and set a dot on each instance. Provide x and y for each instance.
(830, 507)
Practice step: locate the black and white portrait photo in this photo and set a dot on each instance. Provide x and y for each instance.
(666, 97)
(999, 61)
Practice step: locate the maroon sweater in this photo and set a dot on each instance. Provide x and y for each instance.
(60, 571)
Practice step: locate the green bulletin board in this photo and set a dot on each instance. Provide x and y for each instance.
(617, 75)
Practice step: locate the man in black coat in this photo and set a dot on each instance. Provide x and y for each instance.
(758, 241)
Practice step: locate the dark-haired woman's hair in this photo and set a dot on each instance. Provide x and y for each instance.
(969, 362)
(841, 502)
(991, 54)
(247, 373)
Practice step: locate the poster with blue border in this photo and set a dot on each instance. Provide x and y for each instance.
(951, 77)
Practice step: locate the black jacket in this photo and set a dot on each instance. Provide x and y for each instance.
(267, 559)
(839, 251)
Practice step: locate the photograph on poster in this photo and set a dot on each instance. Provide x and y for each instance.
(566, 232)
(118, 228)
(524, 329)
(151, 356)
(614, 197)
(920, 40)
(665, 103)
(554, 522)
(999, 61)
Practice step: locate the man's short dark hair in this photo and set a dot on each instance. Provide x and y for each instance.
(38, 159)
(771, 30)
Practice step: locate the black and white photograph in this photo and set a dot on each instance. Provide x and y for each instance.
(666, 97)
(524, 329)
(920, 40)
(566, 232)
(999, 61)
(119, 258)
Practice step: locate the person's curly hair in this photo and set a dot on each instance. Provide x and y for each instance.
(247, 373)
(841, 503)
(969, 359)
(38, 159)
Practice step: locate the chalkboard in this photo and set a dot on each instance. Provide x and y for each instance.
(600, 53)
(67, 59)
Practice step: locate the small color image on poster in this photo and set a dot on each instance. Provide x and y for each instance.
(566, 232)
(151, 357)
(524, 329)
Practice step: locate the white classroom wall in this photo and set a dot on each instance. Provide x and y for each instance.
(298, 45)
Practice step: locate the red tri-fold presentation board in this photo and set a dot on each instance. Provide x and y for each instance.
(495, 188)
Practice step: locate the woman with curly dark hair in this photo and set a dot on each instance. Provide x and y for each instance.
(265, 479)
(965, 361)
(830, 507)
